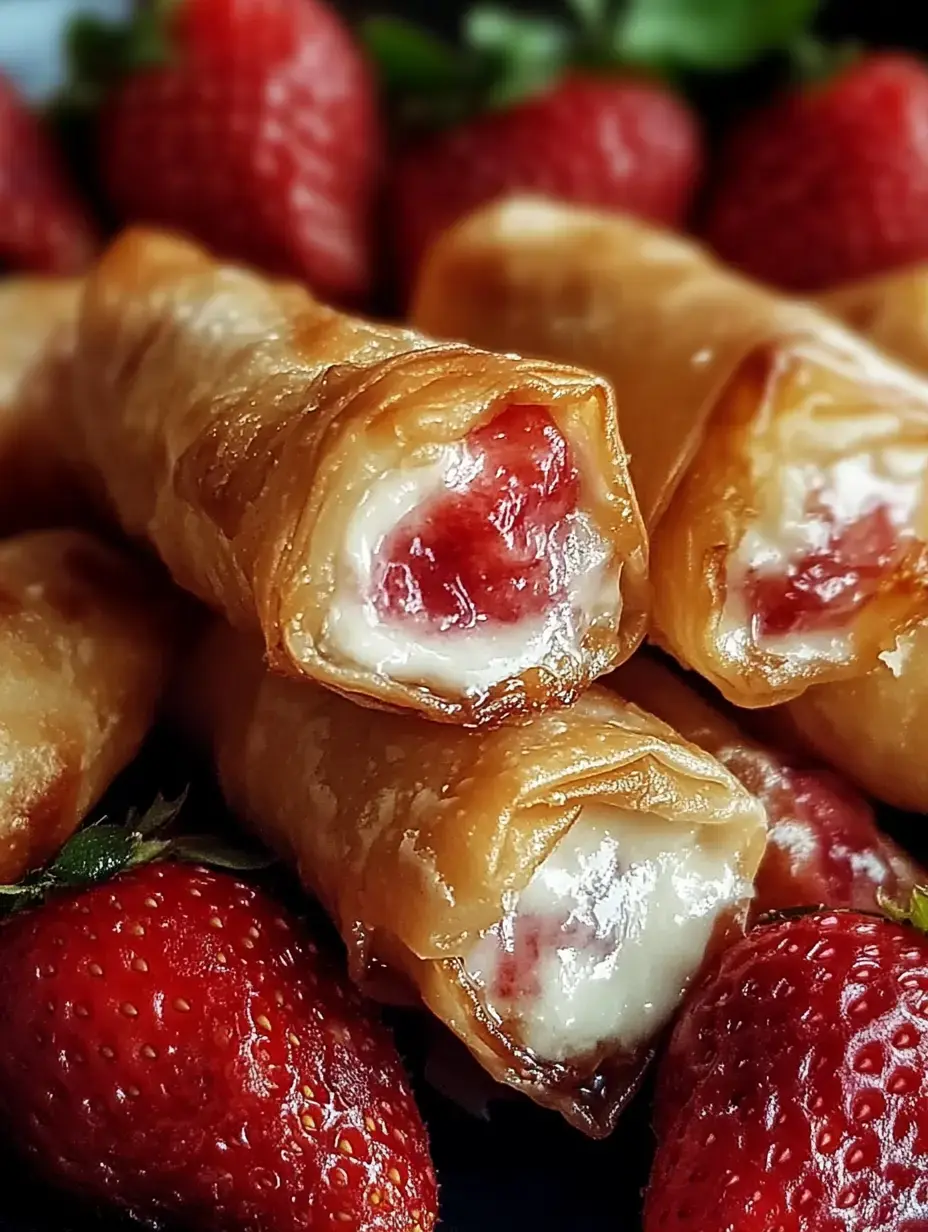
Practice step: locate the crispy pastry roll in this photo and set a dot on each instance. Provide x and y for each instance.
(38, 482)
(824, 847)
(873, 727)
(86, 642)
(416, 525)
(779, 460)
(549, 888)
(891, 310)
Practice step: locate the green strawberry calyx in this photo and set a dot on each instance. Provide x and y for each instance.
(101, 52)
(103, 849)
(914, 911)
(503, 57)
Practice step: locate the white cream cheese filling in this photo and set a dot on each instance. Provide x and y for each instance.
(469, 660)
(887, 476)
(600, 946)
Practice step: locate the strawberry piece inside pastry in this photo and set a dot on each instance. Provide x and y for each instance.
(489, 548)
(838, 505)
(480, 564)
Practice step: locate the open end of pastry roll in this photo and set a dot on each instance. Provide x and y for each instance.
(871, 727)
(467, 569)
(818, 463)
(549, 889)
(779, 459)
(824, 846)
(417, 525)
(591, 961)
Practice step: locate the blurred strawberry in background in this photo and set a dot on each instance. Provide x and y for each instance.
(528, 104)
(43, 227)
(250, 124)
(830, 182)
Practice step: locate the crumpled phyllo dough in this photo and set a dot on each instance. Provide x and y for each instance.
(417, 525)
(779, 459)
(40, 483)
(87, 642)
(873, 727)
(549, 889)
(891, 310)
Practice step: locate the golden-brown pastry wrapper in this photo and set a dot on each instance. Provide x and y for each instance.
(873, 728)
(238, 423)
(415, 836)
(706, 367)
(38, 483)
(86, 644)
(891, 310)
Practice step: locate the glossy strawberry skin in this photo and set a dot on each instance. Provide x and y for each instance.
(178, 1045)
(794, 1093)
(824, 847)
(829, 183)
(260, 138)
(43, 227)
(622, 144)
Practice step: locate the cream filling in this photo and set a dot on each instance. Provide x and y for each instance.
(600, 946)
(468, 661)
(886, 476)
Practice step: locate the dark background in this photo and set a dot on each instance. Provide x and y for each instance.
(521, 1168)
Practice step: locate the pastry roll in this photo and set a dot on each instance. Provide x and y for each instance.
(549, 888)
(86, 643)
(891, 310)
(779, 460)
(824, 847)
(872, 727)
(38, 483)
(416, 525)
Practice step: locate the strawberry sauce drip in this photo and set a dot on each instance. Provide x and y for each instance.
(489, 549)
(826, 587)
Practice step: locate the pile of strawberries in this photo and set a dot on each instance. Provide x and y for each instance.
(793, 1096)
(256, 125)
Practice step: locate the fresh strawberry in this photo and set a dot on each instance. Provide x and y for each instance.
(178, 1045)
(622, 144)
(43, 227)
(794, 1093)
(259, 136)
(824, 847)
(830, 182)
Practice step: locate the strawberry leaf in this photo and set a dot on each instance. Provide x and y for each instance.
(160, 813)
(99, 52)
(92, 855)
(408, 57)
(914, 912)
(524, 54)
(708, 35)
(207, 849)
(591, 14)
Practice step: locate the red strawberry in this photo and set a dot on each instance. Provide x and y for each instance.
(42, 225)
(260, 137)
(824, 847)
(178, 1045)
(794, 1094)
(830, 182)
(622, 144)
